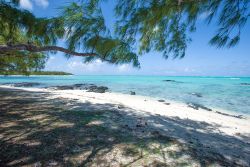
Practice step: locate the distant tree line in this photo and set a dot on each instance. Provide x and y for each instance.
(34, 73)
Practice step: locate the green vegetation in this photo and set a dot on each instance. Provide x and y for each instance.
(35, 73)
(150, 25)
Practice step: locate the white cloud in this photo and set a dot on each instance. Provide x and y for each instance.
(91, 67)
(42, 3)
(189, 70)
(123, 68)
(26, 4)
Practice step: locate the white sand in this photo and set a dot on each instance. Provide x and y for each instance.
(224, 124)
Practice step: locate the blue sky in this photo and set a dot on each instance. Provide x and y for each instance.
(201, 59)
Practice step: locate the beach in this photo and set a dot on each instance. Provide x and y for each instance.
(205, 137)
(127, 83)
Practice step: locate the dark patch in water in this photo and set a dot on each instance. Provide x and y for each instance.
(245, 84)
(196, 94)
(169, 80)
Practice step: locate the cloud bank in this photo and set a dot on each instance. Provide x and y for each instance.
(28, 4)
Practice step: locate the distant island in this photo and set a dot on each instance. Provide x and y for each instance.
(35, 73)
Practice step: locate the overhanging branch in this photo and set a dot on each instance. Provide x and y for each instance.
(34, 48)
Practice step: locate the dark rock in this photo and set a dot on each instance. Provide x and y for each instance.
(169, 80)
(247, 84)
(198, 106)
(230, 115)
(70, 87)
(24, 84)
(161, 100)
(132, 93)
(167, 103)
(88, 87)
(63, 87)
(97, 89)
(120, 107)
(80, 85)
(196, 94)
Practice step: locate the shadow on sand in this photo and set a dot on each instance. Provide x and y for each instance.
(37, 130)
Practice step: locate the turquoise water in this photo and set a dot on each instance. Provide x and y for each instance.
(217, 92)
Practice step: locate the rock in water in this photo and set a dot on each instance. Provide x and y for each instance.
(88, 87)
(161, 100)
(97, 89)
(63, 87)
(132, 93)
(196, 94)
(169, 80)
(246, 84)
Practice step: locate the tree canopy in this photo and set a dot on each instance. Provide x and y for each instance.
(141, 26)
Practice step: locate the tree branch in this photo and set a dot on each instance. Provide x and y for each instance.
(33, 48)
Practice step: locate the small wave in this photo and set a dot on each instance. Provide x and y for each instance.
(234, 78)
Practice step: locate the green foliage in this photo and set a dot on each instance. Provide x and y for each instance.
(41, 31)
(232, 18)
(23, 62)
(20, 26)
(164, 25)
(86, 31)
(12, 31)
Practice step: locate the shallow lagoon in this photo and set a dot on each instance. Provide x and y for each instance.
(228, 93)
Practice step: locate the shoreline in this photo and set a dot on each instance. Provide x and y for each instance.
(198, 106)
(227, 120)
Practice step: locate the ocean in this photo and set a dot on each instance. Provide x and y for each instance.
(227, 93)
